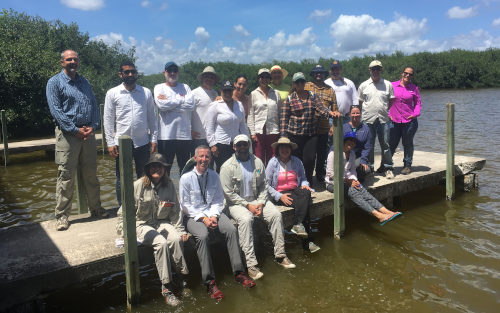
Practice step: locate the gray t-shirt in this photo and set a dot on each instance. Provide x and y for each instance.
(247, 192)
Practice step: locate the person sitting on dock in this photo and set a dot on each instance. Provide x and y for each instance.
(74, 108)
(243, 180)
(353, 188)
(202, 199)
(288, 186)
(159, 224)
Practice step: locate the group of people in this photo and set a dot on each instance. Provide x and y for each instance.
(287, 129)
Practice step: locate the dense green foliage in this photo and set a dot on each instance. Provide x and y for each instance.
(30, 50)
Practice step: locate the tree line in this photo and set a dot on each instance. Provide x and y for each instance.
(30, 50)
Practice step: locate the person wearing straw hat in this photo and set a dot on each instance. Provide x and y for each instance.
(243, 180)
(159, 224)
(288, 186)
(278, 74)
(263, 117)
(204, 95)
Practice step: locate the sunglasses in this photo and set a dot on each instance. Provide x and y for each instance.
(172, 70)
(72, 59)
(408, 74)
(265, 76)
(242, 144)
(128, 72)
(376, 69)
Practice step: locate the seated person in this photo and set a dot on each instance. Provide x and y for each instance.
(288, 186)
(202, 200)
(352, 187)
(245, 188)
(159, 223)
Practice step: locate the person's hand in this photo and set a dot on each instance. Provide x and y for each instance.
(153, 148)
(80, 134)
(334, 113)
(306, 187)
(409, 117)
(195, 135)
(355, 184)
(215, 152)
(254, 138)
(365, 167)
(286, 199)
(185, 237)
(113, 151)
(207, 221)
(330, 132)
(218, 98)
(162, 97)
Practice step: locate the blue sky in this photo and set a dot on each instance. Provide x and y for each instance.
(262, 31)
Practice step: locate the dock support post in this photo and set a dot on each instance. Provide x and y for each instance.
(338, 179)
(4, 139)
(450, 151)
(128, 211)
(82, 194)
(101, 110)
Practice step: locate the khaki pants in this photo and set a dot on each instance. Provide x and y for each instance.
(73, 153)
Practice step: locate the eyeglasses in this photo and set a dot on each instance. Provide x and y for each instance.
(172, 70)
(408, 74)
(242, 144)
(128, 72)
(72, 59)
(265, 76)
(376, 69)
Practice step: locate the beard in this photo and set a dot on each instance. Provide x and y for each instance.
(171, 80)
(129, 80)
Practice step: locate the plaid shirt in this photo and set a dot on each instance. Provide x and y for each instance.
(298, 117)
(327, 95)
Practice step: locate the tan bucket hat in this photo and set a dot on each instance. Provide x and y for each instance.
(284, 141)
(278, 68)
(211, 70)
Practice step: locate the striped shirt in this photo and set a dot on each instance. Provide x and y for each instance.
(298, 117)
(327, 96)
(72, 103)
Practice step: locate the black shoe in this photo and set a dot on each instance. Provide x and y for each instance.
(99, 213)
(380, 170)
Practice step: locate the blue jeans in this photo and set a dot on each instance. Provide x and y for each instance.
(405, 132)
(381, 130)
(141, 157)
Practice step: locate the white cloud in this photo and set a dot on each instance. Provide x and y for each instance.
(241, 30)
(459, 13)
(302, 39)
(85, 5)
(202, 34)
(496, 22)
(320, 14)
(475, 40)
(145, 4)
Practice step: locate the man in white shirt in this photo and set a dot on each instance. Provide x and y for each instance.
(344, 88)
(129, 110)
(375, 97)
(203, 97)
(175, 103)
(202, 199)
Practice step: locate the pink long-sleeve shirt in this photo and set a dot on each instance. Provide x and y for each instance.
(406, 102)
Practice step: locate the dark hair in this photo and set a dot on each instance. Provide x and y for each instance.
(409, 67)
(126, 63)
(357, 106)
(240, 76)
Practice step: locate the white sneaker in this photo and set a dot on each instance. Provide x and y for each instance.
(389, 174)
(254, 272)
(313, 247)
(286, 263)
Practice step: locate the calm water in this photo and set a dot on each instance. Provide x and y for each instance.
(439, 257)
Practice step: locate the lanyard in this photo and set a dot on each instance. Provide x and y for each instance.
(203, 191)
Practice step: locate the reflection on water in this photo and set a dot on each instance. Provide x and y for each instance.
(440, 256)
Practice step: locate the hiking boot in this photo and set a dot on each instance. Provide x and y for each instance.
(99, 213)
(299, 230)
(406, 170)
(254, 272)
(242, 279)
(285, 262)
(214, 291)
(389, 174)
(169, 296)
(313, 247)
(62, 223)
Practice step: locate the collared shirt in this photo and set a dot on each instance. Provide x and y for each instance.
(72, 103)
(406, 102)
(298, 117)
(264, 111)
(247, 191)
(134, 114)
(175, 111)
(191, 196)
(346, 93)
(349, 166)
(327, 96)
(202, 100)
(223, 124)
(363, 144)
(376, 99)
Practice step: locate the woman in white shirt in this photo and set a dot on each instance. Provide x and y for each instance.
(225, 120)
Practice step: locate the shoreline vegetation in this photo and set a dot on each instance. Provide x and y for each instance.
(30, 50)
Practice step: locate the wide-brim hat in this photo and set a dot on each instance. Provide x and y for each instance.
(155, 158)
(211, 70)
(279, 68)
(318, 69)
(284, 141)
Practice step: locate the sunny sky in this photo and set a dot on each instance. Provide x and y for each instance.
(262, 31)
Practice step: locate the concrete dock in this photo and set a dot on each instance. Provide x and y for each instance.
(37, 145)
(35, 258)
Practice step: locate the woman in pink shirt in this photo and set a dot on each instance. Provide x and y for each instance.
(404, 112)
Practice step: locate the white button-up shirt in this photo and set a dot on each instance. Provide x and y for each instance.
(264, 111)
(134, 114)
(376, 98)
(223, 124)
(346, 93)
(202, 100)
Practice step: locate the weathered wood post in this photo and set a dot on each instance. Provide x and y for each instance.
(450, 151)
(5, 139)
(81, 201)
(101, 110)
(128, 211)
(338, 179)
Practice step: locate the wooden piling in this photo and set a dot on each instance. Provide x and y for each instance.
(81, 201)
(5, 139)
(338, 179)
(103, 144)
(450, 151)
(128, 211)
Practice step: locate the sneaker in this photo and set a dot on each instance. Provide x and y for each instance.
(313, 247)
(389, 174)
(299, 230)
(254, 272)
(214, 291)
(406, 170)
(99, 213)
(170, 298)
(380, 170)
(242, 279)
(286, 263)
(62, 223)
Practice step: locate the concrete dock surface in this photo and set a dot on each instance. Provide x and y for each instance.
(47, 144)
(36, 258)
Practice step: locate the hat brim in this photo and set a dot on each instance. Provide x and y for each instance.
(283, 71)
(217, 77)
(316, 72)
(148, 165)
(293, 145)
